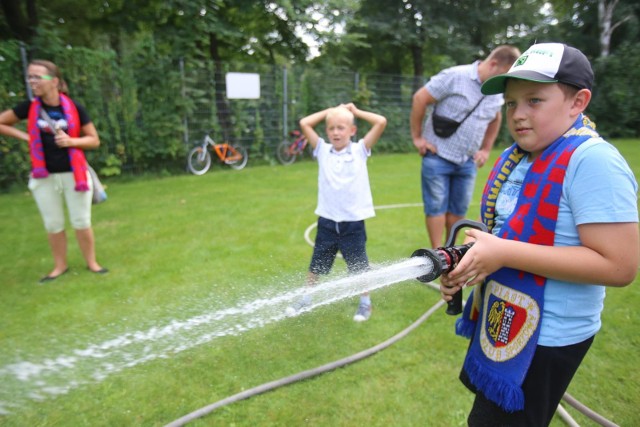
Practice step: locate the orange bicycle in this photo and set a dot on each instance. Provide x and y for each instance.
(199, 158)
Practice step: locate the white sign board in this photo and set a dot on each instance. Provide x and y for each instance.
(243, 85)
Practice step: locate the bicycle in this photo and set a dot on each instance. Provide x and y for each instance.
(199, 158)
(287, 152)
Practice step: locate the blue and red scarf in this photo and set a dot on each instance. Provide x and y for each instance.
(36, 149)
(503, 315)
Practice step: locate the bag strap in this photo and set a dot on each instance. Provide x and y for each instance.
(469, 113)
(48, 119)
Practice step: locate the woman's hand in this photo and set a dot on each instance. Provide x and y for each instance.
(63, 140)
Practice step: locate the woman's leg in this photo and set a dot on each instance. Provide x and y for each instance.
(47, 192)
(79, 204)
(86, 242)
(58, 243)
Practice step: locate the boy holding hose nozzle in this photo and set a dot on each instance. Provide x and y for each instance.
(561, 208)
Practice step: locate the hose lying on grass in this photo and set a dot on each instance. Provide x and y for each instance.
(354, 358)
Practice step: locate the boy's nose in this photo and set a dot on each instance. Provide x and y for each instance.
(517, 112)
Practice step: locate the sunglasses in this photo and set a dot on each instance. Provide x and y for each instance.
(38, 78)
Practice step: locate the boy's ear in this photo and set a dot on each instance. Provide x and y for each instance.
(581, 100)
(354, 129)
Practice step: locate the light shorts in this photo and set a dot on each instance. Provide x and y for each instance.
(49, 193)
(446, 186)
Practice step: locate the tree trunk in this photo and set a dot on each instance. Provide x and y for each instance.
(605, 15)
(606, 24)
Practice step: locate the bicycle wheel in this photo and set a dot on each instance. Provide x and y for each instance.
(284, 154)
(199, 161)
(241, 163)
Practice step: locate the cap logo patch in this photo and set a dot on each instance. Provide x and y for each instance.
(521, 61)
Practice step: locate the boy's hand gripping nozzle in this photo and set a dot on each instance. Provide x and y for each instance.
(446, 258)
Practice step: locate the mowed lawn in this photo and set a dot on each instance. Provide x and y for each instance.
(182, 247)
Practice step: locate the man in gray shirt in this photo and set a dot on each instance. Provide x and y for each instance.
(449, 163)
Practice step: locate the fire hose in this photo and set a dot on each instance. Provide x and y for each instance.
(444, 260)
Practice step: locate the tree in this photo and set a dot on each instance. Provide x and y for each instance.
(607, 25)
(400, 36)
(598, 27)
(21, 19)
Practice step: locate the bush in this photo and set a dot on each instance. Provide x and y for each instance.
(615, 106)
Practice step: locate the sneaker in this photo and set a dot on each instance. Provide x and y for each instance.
(297, 307)
(363, 313)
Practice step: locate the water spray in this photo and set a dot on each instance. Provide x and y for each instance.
(445, 259)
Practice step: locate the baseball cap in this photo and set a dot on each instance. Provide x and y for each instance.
(546, 63)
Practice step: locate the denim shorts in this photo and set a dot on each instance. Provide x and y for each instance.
(348, 237)
(446, 186)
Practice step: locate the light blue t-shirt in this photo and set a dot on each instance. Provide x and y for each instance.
(598, 187)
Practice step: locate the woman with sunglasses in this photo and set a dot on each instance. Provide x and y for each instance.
(58, 131)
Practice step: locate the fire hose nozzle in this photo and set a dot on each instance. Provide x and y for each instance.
(433, 256)
(446, 258)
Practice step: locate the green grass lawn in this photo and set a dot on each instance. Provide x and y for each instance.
(182, 247)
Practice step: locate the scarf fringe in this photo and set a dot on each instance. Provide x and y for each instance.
(82, 186)
(507, 395)
(465, 327)
(40, 172)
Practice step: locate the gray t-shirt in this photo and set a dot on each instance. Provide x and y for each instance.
(457, 90)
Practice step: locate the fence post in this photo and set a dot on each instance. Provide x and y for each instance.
(25, 64)
(285, 106)
(185, 119)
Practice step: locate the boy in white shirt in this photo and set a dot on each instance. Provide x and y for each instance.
(344, 193)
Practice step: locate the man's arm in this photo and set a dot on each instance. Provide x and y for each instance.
(421, 99)
(490, 136)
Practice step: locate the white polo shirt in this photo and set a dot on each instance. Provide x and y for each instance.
(344, 192)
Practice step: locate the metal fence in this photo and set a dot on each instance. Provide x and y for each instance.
(289, 93)
(146, 122)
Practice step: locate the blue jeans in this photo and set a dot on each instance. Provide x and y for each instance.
(446, 186)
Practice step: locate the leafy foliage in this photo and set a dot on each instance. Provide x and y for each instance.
(616, 105)
(151, 73)
(14, 168)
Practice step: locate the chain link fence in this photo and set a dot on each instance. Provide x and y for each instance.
(286, 95)
(149, 113)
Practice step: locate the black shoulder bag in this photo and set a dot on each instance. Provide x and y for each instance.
(444, 127)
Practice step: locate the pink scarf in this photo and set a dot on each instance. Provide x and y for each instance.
(76, 155)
